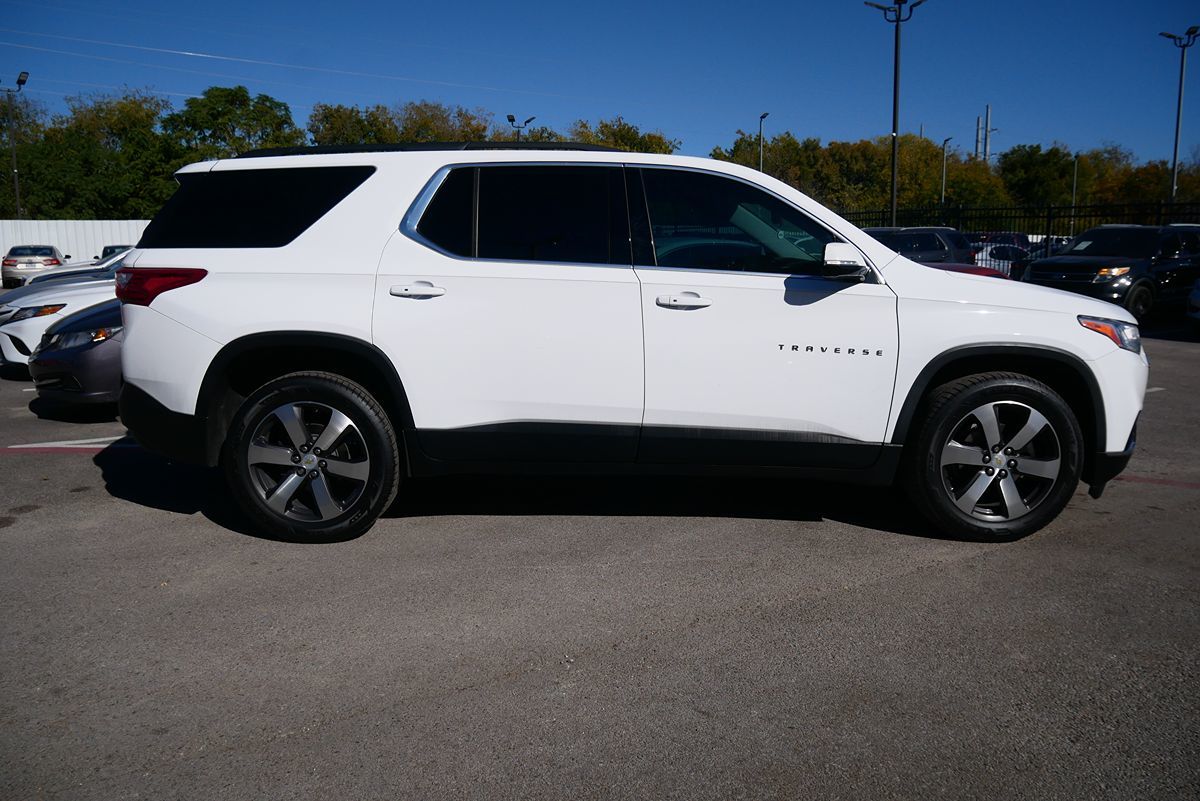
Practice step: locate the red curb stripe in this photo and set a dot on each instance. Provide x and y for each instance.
(1162, 482)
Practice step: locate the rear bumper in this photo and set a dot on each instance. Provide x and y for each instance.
(179, 437)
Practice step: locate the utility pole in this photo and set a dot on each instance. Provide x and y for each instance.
(894, 14)
(945, 142)
(761, 117)
(12, 140)
(977, 130)
(1074, 186)
(1183, 43)
(987, 133)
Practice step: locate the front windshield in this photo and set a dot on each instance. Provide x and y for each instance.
(1140, 243)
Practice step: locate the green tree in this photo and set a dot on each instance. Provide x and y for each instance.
(1036, 177)
(622, 135)
(106, 159)
(225, 121)
(350, 125)
(427, 121)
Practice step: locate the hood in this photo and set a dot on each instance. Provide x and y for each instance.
(909, 279)
(16, 297)
(104, 315)
(44, 294)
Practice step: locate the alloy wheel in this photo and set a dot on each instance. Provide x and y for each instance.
(308, 462)
(1000, 461)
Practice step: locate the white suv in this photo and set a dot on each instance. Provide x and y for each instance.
(325, 323)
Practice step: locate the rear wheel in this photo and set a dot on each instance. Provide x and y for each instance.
(997, 457)
(312, 456)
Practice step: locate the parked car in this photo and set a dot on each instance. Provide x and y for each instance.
(1000, 257)
(324, 324)
(1135, 266)
(22, 262)
(112, 250)
(999, 238)
(1193, 307)
(79, 357)
(76, 270)
(24, 320)
(927, 245)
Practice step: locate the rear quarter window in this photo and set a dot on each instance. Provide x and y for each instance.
(249, 208)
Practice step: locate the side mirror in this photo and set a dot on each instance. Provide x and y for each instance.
(843, 262)
(67, 257)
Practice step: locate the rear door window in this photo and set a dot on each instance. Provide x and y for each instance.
(249, 208)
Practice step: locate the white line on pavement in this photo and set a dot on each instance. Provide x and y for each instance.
(31, 389)
(1155, 389)
(70, 442)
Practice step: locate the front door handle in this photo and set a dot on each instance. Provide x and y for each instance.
(421, 289)
(684, 300)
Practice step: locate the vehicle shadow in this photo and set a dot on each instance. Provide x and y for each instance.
(14, 372)
(73, 413)
(138, 476)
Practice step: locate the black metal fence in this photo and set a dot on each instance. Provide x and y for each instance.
(1035, 221)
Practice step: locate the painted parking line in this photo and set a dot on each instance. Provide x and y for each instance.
(72, 445)
(1154, 389)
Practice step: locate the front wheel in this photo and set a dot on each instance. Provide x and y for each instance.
(312, 457)
(1140, 301)
(996, 457)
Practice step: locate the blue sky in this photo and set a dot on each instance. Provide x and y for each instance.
(697, 70)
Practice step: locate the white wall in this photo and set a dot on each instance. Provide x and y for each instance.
(80, 239)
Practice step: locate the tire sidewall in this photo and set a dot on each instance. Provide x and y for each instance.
(376, 433)
(937, 431)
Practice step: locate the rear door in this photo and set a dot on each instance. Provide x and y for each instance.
(751, 356)
(510, 308)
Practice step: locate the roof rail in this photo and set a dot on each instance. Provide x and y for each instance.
(419, 146)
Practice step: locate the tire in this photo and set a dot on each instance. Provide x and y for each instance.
(340, 436)
(944, 470)
(1140, 301)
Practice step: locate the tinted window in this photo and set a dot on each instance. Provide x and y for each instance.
(447, 219)
(706, 221)
(562, 214)
(31, 251)
(957, 240)
(1191, 243)
(249, 208)
(911, 242)
(1130, 242)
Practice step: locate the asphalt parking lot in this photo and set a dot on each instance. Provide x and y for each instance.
(592, 638)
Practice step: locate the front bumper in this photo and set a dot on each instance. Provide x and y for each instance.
(1104, 467)
(85, 374)
(179, 437)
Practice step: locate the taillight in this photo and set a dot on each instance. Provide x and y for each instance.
(141, 287)
(10, 262)
(51, 262)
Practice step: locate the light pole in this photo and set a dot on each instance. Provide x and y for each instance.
(1183, 43)
(761, 117)
(945, 142)
(12, 139)
(1074, 186)
(513, 122)
(895, 15)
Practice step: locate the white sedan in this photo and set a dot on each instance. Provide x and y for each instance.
(23, 322)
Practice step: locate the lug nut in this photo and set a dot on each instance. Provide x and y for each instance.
(316, 451)
(304, 447)
(313, 474)
(995, 449)
(300, 471)
(1008, 451)
(987, 458)
(1012, 462)
(991, 470)
(324, 464)
(296, 458)
(1003, 474)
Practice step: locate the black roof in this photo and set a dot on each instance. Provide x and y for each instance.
(419, 146)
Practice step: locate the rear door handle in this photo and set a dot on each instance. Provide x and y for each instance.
(421, 289)
(684, 300)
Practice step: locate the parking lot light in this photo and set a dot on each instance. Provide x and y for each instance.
(761, 117)
(895, 15)
(945, 142)
(512, 120)
(12, 139)
(1183, 42)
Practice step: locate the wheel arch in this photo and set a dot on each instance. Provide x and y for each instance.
(246, 363)
(1062, 371)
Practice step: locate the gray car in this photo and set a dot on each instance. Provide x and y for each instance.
(926, 245)
(22, 262)
(79, 357)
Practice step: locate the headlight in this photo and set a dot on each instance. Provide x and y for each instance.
(1123, 335)
(76, 338)
(36, 311)
(1106, 273)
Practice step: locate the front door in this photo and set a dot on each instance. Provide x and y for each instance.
(751, 356)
